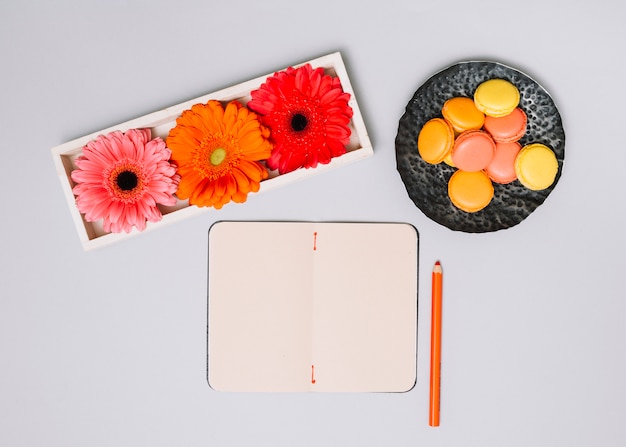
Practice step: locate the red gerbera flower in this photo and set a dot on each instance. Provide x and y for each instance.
(308, 115)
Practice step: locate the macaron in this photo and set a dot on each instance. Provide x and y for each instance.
(536, 166)
(448, 160)
(473, 150)
(462, 114)
(496, 97)
(435, 140)
(501, 169)
(470, 191)
(507, 128)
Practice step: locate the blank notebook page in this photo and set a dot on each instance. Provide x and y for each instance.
(310, 306)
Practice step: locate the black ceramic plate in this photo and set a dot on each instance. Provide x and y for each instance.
(427, 185)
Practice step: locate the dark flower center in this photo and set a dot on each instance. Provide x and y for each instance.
(299, 122)
(127, 180)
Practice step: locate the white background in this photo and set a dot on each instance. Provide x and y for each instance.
(108, 347)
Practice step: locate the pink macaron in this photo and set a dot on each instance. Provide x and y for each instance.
(473, 150)
(507, 128)
(501, 169)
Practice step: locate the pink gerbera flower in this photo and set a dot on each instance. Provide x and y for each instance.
(308, 115)
(122, 177)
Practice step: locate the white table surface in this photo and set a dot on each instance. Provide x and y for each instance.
(108, 347)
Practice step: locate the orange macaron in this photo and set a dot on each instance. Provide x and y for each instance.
(470, 191)
(462, 114)
(435, 140)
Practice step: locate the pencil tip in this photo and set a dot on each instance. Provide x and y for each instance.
(437, 267)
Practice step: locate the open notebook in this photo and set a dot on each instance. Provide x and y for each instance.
(310, 306)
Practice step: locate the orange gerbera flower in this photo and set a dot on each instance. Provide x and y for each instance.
(217, 151)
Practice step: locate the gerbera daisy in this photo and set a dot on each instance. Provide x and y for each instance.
(122, 177)
(308, 115)
(217, 151)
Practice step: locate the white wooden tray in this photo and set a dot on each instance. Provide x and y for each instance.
(92, 235)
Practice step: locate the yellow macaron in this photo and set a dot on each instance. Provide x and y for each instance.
(496, 97)
(470, 191)
(435, 140)
(448, 160)
(536, 166)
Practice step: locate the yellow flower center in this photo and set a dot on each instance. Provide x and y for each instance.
(217, 156)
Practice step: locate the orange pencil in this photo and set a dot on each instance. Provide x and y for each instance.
(435, 346)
